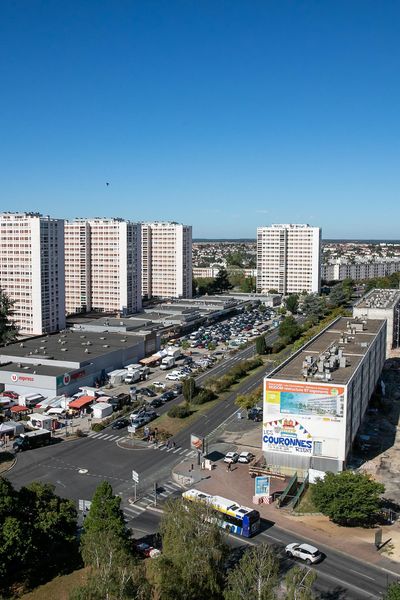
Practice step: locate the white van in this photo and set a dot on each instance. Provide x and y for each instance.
(30, 400)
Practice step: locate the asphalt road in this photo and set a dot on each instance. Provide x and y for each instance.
(339, 576)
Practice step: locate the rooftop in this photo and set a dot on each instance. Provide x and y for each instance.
(68, 346)
(333, 355)
(379, 298)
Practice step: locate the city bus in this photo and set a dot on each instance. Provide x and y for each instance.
(228, 514)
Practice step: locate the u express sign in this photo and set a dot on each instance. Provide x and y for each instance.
(22, 378)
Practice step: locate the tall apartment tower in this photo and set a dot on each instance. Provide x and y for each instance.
(32, 270)
(289, 259)
(103, 266)
(166, 260)
(78, 297)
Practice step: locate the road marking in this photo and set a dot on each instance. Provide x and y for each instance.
(134, 508)
(108, 437)
(362, 574)
(179, 449)
(96, 435)
(190, 453)
(162, 447)
(172, 486)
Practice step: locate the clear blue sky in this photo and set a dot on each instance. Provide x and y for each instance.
(222, 114)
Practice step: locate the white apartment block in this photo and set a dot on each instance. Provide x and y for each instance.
(360, 269)
(288, 258)
(78, 296)
(166, 260)
(32, 270)
(115, 263)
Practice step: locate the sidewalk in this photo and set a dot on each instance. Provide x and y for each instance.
(238, 485)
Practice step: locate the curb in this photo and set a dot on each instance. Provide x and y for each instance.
(14, 462)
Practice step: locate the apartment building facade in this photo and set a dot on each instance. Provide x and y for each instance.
(78, 296)
(103, 266)
(360, 269)
(32, 270)
(289, 259)
(166, 260)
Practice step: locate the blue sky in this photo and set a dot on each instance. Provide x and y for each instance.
(222, 114)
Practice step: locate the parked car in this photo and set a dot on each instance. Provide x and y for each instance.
(159, 385)
(255, 414)
(231, 457)
(147, 551)
(167, 396)
(245, 457)
(172, 377)
(156, 402)
(310, 554)
(147, 392)
(120, 424)
(10, 394)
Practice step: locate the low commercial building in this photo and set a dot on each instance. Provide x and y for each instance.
(315, 401)
(60, 364)
(382, 304)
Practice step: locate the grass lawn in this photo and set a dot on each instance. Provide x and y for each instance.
(306, 504)
(6, 460)
(58, 588)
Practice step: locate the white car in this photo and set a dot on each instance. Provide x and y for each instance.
(245, 457)
(231, 457)
(159, 385)
(310, 554)
(172, 377)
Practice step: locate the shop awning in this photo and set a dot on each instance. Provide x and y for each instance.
(18, 409)
(81, 402)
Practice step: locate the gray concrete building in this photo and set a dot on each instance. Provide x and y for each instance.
(382, 304)
(315, 401)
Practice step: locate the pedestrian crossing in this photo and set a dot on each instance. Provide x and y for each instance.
(177, 450)
(147, 502)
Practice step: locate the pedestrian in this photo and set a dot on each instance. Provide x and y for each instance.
(229, 467)
(173, 445)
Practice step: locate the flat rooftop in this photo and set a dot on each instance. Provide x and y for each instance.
(69, 346)
(29, 370)
(354, 345)
(379, 298)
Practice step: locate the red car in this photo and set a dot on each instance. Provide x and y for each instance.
(147, 551)
(11, 394)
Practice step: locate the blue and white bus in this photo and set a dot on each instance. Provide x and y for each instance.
(229, 515)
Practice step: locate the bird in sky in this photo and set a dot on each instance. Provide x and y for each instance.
(107, 183)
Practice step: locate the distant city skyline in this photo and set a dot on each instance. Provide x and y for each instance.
(226, 116)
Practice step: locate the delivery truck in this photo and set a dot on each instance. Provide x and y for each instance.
(32, 439)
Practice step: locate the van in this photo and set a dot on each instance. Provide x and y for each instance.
(30, 400)
(132, 377)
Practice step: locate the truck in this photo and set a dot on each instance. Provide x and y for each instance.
(32, 439)
(133, 376)
(174, 351)
(167, 363)
(30, 400)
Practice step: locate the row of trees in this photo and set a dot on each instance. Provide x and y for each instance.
(194, 564)
(8, 328)
(37, 535)
(224, 281)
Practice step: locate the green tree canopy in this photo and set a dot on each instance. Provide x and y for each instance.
(261, 346)
(221, 282)
(289, 329)
(313, 306)
(105, 513)
(194, 550)
(189, 389)
(8, 328)
(299, 583)
(292, 303)
(348, 498)
(255, 577)
(393, 592)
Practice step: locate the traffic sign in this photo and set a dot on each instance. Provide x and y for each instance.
(84, 505)
(135, 476)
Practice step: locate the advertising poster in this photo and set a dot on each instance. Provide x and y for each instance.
(197, 442)
(288, 436)
(304, 399)
(262, 485)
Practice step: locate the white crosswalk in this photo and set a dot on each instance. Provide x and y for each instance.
(106, 437)
(135, 510)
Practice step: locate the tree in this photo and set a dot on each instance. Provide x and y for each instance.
(393, 592)
(299, 584)
(105, 514)
(290, 329)
(246, 401)
(292, 303)
(337, 297)
(189, 389)
(261, 346)
(221, 282)
(348, 498)
(248, 285)
(313, 307)
(185, 345)
(8, 328)
(255, 577)
(194, 550)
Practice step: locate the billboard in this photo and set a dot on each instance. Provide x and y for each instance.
(288, 436)
(262, 485)
(324, 401)
(197, 442)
